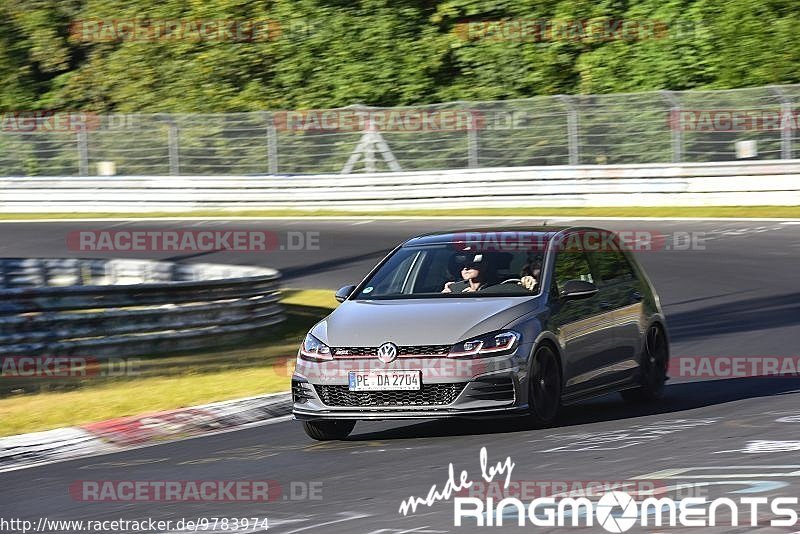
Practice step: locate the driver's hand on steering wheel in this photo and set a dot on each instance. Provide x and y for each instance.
(528, 282)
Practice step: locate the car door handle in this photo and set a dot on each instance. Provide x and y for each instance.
(605, 305)
(636, 296)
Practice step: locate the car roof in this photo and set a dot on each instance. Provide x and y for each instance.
(541, 232)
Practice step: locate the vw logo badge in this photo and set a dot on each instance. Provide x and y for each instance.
(387, 352)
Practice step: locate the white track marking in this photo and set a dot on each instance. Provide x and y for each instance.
(349, 516)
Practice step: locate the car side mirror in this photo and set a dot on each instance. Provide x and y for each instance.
(344, 292)
(578, 289)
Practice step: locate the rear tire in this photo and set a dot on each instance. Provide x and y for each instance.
(544, 387)
(328, 430)
(653, 368)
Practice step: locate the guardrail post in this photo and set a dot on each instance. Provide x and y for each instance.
(786, 130)
(573, 141)
(272, 145)
(674, 122)
(83, 151)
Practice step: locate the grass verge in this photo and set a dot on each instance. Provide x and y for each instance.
(167, 382)
(629, 211)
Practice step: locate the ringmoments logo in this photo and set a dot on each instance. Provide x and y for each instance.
(614, 511)
(618, 511)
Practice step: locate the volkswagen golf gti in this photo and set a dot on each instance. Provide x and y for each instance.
(484, 323)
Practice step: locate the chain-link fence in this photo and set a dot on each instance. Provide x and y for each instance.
(652, 127)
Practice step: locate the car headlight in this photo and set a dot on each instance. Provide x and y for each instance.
(315, 350)
(494, 344)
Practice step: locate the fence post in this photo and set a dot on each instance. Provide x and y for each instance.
(272, 144)
(786, 130)
(675, 125)
(572, 130)
(83, 151)
(472, 141)
(173, 138)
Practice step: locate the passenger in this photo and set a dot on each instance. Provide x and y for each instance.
(474, 274)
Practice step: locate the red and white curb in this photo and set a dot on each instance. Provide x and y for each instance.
(29, 450)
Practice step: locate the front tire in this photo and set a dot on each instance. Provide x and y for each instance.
(544, 389)
(328, 430)
(653, 368)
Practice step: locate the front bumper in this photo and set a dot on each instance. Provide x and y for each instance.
(481, 387)
(396, 414)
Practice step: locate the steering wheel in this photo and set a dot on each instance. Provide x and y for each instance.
(510, 280)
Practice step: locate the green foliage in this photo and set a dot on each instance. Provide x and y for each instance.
(333, 53)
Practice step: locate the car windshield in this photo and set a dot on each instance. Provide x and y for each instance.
(442, 270)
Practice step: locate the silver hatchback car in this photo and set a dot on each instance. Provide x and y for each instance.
(484, 323)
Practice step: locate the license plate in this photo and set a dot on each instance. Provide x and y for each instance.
(384, 380)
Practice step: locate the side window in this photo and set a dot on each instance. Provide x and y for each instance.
(571, 265)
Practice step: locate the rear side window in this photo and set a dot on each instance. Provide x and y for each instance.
(571, 265)
(612, 266)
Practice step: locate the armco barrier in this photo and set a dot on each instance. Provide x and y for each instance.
(101, 308)
(691, 184)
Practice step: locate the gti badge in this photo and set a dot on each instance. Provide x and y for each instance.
(387, 352)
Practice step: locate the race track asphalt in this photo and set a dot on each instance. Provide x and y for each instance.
(739, 296)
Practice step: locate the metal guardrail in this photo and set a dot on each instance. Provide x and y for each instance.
(102, 308)
(647, 127)
(689, 184)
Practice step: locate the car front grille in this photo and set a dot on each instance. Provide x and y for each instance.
(429, 395)
(411, 350)
(354, 351)
(420, 350)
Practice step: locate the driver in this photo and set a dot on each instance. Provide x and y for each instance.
(474, 274)
(530, 275)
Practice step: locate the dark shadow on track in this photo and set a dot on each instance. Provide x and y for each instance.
(678, 397)
(666, 303)
(744, 315)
